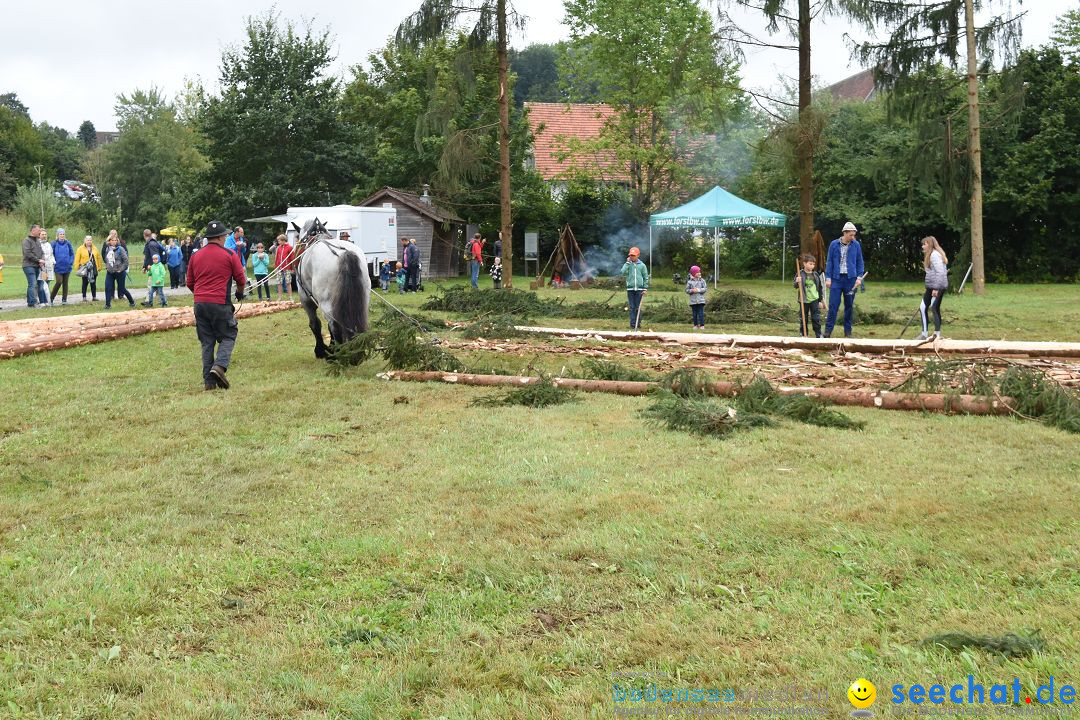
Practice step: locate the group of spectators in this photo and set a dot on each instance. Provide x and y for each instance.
(46, 263)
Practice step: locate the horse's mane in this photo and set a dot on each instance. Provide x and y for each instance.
(312, 228)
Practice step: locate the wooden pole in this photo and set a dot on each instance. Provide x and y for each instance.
(975, 152)
(881, 399)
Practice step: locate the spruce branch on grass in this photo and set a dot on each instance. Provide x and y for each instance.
(608, 370)
(682, 403)
(534, 395)
(1036, 395)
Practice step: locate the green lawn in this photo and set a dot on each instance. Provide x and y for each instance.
(318, 546)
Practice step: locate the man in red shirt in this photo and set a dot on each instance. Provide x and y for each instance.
(284, 265)
(210, 276)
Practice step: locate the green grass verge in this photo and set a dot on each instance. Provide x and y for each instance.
(312, 545)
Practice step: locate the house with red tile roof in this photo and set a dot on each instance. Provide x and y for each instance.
(556, 127)
(859, 87)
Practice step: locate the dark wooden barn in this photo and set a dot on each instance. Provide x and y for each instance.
(439, 233)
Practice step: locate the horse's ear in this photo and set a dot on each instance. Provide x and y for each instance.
(295, 227)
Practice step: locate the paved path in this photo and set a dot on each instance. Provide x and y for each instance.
(75, 298)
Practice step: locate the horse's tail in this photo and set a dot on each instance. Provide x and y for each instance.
(351, 302)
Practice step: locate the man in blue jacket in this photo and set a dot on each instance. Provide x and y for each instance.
(843, 275)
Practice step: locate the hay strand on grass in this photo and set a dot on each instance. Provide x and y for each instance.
(1009, 644)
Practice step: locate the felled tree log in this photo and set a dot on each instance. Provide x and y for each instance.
(863, 345)
(38, 335)
(882, 399)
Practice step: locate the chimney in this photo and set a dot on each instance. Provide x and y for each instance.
(425, 198)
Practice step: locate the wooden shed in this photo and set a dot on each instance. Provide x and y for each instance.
(439, 233)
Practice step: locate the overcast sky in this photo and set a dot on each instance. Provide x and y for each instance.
(85, 53)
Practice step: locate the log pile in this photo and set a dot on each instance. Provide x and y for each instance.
(21, 337)
(1002, 348)
(792, 367)
(881, 399)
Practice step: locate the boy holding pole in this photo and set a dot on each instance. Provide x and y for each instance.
(811, 302)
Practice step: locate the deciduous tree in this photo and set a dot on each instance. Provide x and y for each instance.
(661, 68)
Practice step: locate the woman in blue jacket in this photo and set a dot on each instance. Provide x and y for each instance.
(64, 256)
(843, 275)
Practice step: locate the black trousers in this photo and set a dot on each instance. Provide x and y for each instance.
(174, 277)
(215, 325)
(93, 287)
(812, 312)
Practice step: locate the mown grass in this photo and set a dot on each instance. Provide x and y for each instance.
(311, 545)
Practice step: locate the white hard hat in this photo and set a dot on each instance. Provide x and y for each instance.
(850, 226)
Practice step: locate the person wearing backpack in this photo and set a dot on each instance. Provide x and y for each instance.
(476, 259)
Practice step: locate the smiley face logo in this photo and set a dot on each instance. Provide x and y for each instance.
(862, 694)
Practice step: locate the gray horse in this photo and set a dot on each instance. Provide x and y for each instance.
(332, 277)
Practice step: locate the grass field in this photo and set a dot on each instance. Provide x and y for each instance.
(318, 546)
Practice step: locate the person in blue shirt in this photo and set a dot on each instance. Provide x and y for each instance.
(843, 274)
(174, 258)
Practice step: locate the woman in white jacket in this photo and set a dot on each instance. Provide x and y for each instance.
(46, 275)
(937, 282)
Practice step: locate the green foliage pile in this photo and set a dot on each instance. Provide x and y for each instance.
(396, 339)
(1036, 395)
(477, 303)
(874, 317)
(682, 403)
(500, 327)
(535, 395)
(1009, 645)
(595, 369)
(723, 306)
(760, 396)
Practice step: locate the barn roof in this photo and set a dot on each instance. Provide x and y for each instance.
(414, 201)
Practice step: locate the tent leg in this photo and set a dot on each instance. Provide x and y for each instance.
(650, 248)
(783, 254)
(715, 255)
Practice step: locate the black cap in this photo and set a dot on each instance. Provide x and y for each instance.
(216, 228)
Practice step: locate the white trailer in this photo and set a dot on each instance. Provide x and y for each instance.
(374, 229)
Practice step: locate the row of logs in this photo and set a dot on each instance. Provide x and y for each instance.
(882, 399)
(22, 337)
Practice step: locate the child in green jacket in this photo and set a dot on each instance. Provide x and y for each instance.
(637, 284)
(158, 274)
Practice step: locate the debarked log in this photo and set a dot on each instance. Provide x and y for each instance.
(99, 329)
(882, 399)
(1002, 348)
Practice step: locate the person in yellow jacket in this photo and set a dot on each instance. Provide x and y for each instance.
(86, 269)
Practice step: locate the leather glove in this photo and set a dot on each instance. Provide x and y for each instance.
(239, 294)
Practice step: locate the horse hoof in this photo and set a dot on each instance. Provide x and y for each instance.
(320, 352)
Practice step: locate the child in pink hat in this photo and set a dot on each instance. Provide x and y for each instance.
(695, 288)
